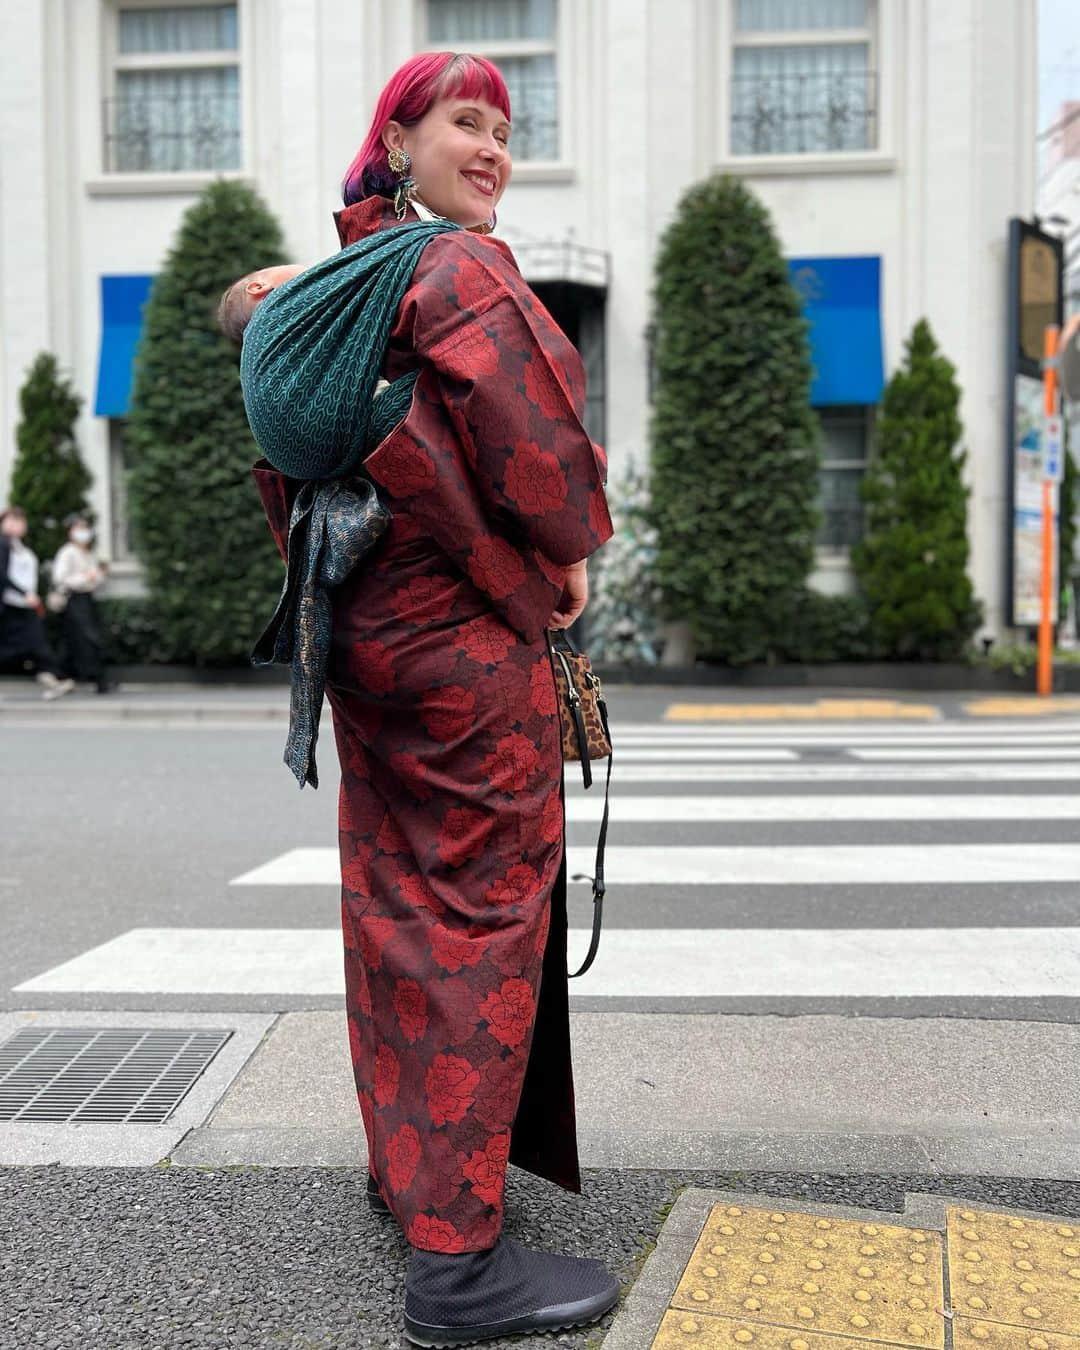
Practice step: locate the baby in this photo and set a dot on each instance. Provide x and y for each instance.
(238, 303)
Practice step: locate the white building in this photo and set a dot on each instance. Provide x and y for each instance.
(892, 138)
(1058, 198)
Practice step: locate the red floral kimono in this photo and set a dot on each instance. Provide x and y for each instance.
(451, 813)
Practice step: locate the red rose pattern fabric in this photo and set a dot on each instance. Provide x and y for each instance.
(451, 823)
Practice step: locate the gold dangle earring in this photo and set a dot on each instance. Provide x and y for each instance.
(400, 163)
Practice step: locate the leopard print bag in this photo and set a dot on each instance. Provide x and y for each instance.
(585, 736)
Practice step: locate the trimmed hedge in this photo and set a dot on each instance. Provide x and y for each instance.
(912, 561)
(734, 441)
(49, 479)
(212, 571)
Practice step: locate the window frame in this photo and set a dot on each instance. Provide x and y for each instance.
(868, 421)
(871, 156)
(495, 48)
(114, 62)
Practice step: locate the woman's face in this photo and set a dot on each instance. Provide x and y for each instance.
(460, 152)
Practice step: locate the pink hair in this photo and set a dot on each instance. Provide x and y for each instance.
(407, 97)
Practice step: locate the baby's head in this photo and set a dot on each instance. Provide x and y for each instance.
(238, 303)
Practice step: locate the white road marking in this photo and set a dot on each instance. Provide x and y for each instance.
(807, 771)
(734, 809)
(685, 753)
(646, 963)
(1000, 752)
(706, 865)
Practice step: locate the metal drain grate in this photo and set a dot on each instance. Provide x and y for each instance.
(85, 1075)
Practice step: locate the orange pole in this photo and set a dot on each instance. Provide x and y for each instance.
(1044, 670)
(1045, 667)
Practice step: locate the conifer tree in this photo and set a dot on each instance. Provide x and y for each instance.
(912, 560)
(734, 441)
(211, 567)
(49, 479)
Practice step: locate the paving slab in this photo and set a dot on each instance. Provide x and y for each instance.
(742, 1271)
(934, 1096)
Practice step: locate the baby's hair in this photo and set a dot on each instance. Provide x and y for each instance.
(234, 312)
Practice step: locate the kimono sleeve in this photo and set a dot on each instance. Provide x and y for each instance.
(513, 388)
(276, 492)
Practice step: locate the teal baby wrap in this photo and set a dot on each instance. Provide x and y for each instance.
(313, 354)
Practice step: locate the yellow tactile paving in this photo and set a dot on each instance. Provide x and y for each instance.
(725, 1333)
(1025, 1272)
(969, 1334)
(1023, 705)
(821, 710)
(872, 1281)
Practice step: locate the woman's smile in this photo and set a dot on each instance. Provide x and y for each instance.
(483, 182)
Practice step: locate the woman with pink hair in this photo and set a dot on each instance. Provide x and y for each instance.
(451, 819)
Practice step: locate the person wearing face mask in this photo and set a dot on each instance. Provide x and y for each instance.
(76, 574)
(23, 642)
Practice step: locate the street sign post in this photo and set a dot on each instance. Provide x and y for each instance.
(1051, 473)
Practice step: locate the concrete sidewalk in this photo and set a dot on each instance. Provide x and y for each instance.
(919, 1096)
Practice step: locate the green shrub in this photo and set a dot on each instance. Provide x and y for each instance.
(734, 442)
(826, 628)
(912, 560)
(49, 479)
(212, 571)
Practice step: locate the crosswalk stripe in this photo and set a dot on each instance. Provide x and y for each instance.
(711, 740)
(644, 963)
(792, 808)
(807, 772)
(1006, 752)
(708, 865)
(714, 755)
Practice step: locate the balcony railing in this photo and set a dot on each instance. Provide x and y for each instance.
(819, 113)
(183, 134)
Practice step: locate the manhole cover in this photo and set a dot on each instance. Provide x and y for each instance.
(90, 1075)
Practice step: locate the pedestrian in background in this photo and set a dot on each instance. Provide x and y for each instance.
(76, 575)
(22, 634)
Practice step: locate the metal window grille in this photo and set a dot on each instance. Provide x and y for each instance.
(172, 134)
(811, 113)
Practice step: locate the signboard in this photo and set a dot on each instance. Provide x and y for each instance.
(1054, 449)
(1032, 448)
(1029, 460)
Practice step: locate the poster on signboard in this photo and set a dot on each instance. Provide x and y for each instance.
(1028, 468)
(1036, 267)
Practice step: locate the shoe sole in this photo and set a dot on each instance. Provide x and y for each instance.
(378, 1204)
(559, 1317)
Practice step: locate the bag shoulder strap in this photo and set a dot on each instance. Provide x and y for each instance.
(597, 878)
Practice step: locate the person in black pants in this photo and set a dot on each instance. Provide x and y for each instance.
(76, 575)
(23, 644)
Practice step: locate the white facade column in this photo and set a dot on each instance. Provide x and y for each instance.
(24, 210)
(625, 58)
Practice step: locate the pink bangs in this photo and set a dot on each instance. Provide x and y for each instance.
(408, 95)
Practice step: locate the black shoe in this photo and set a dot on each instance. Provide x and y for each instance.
(483, 1296)
(374, 1199)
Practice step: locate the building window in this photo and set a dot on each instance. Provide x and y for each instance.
(121, 549)
(175, 105)
(803, 80)
(520, 37)
(846, 443)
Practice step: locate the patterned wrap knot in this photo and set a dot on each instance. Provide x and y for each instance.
(310, 364)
